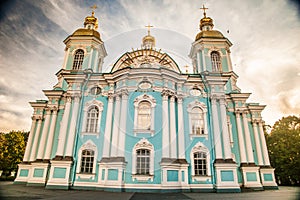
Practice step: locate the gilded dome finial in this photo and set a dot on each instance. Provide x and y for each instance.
(149, 27)
(203, 8)
(94, 7)
(91, 22)
(148, 40)
(206, 23)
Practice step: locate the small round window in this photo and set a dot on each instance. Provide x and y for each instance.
(95, 90)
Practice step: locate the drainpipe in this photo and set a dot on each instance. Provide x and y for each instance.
(88, 72)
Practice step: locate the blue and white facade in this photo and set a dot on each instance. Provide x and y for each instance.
(146, 125)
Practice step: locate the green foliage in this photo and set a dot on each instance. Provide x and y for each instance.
(284, 150)
(12, 149)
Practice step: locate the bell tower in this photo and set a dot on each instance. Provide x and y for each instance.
(85, 48)
(210, 50)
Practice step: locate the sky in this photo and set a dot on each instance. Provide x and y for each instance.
(265, 52)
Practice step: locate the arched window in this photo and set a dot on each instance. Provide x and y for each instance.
(215, 61)
(197, 121)
(78, 59)
(144, 115)
(143, 162)
(87, 161)
(200, 164)
(92, 119)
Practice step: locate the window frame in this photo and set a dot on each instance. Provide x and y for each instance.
(88, 145)
(201, 106)
(216, 62)
(143, 144)
(86, 109)
(78, 59)
(200, 148)
(140, 99)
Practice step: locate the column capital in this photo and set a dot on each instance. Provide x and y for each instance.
(172, 99)
(180, 99)
(110, 97)
(124, 93)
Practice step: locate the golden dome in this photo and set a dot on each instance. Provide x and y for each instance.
(209, 34)
(91, 20)
(206, 21)
(86, 32)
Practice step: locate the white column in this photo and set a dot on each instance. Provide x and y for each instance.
(95, 62)
(229, 60)
(165, 128)
(72, 131)
(217, 138)
(108, 124)
(91, 57)
(264, 144)
(257, 144)
(243, 158)
(66, 57)
(226, 137)
(199, 64)
(173, 139)
(248, 139)
(122, 130)
(203, 59)
(30, 140)
(116, 123)
(42, 142)
(181, 141)
(35, 141)
(51, 135)
(63, 129)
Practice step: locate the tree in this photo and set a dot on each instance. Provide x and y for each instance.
(12, 149)
(284, 150)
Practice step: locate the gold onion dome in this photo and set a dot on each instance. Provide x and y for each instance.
(206, 28)
(92, 20)
(148, 41)
(90, 27)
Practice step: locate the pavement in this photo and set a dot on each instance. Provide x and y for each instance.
(10, 191)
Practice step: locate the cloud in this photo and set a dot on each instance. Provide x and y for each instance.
(264, 33)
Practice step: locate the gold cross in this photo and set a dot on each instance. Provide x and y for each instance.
(94, 7)
(203, 8)
(149, 26)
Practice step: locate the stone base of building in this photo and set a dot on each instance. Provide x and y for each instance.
(59, 175)
(23, 174)
(268, 178)
(251, 178)
(226, 177)
(39, 173)
(111, 173)
(174, 173)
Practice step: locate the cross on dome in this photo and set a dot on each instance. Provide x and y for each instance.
(203, 8)
(149, 27)
(94, 7)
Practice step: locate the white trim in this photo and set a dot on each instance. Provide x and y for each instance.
(202, 106)
(88, 145)
(87, 106)
(200, 147)
(137, 101)
(143, 144)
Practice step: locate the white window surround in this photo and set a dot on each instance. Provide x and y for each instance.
(137, 101)
(202, 106)
(143, 144)
(88, 145)
(200, 147)
(87, 106)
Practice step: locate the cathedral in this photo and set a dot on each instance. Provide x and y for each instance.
(146, 125)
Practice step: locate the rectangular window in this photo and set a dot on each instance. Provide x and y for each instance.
(200, 164)
(87, 161)
(143, 162)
